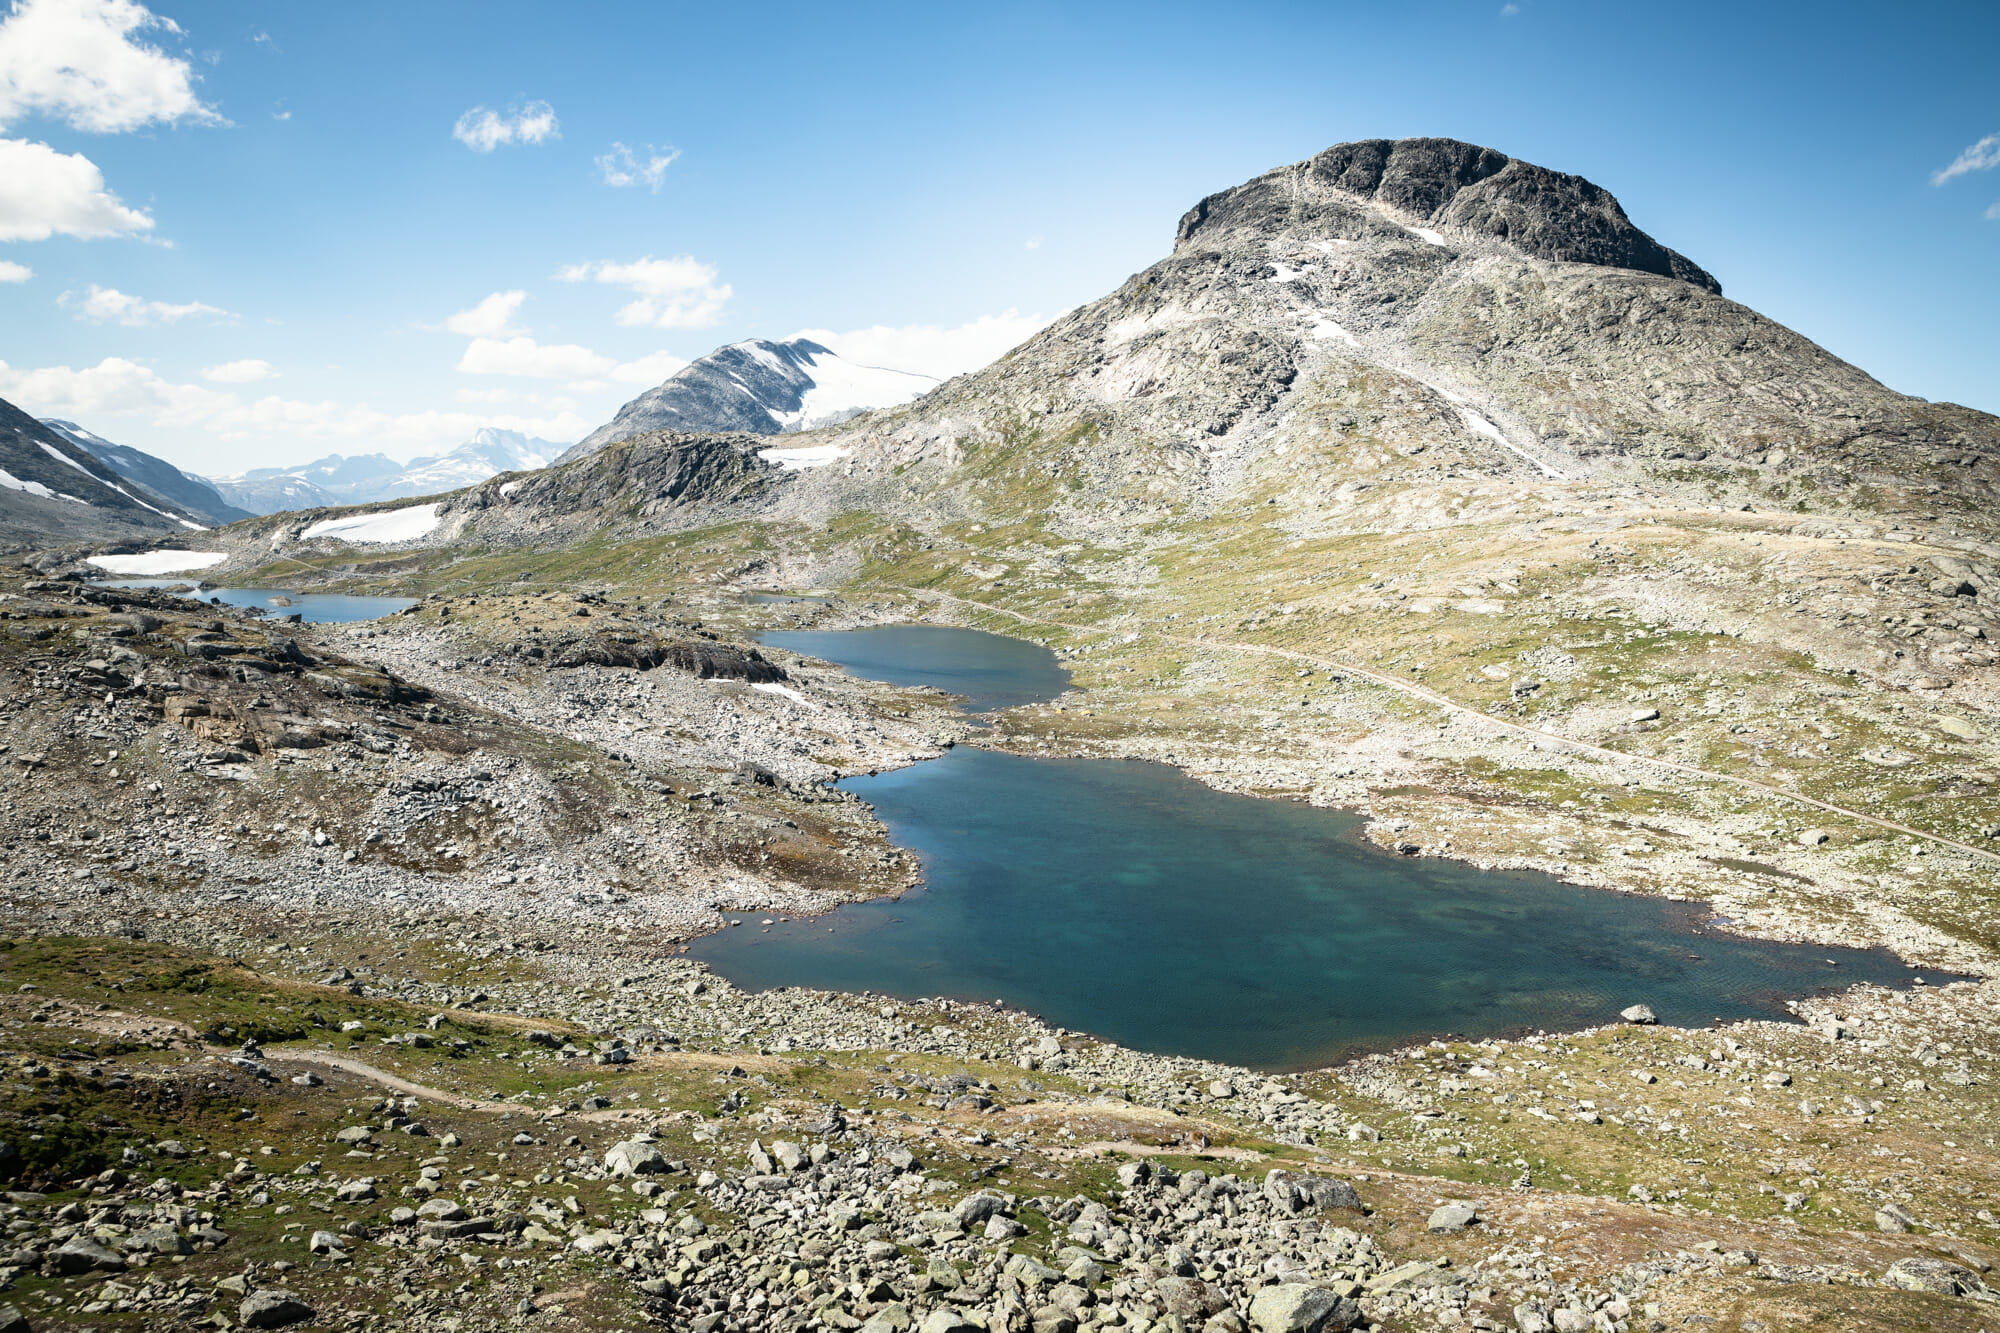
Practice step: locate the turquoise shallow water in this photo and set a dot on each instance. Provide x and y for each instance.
(317, 608)
(992, 671)
(1126, 899)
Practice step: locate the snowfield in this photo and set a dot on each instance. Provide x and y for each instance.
(394, 525)
(842, 388)
(14, 483)
(152, 564)
(795, 460)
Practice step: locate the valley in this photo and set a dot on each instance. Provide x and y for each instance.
(1415, 483)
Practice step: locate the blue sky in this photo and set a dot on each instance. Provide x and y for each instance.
(377, 227)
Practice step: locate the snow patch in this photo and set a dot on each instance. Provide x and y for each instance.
(1324, 330)
(1482, 426)
(395, 525)
(151, 564)
(787, 691)
(14, 483)
(1425, 234)
(509, 487)
(842, 388)
(796, 460)
(1326, 247)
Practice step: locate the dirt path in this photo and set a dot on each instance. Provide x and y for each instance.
(1429, 696)
(394, 1082)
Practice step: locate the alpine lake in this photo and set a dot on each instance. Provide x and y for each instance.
(1125, 899)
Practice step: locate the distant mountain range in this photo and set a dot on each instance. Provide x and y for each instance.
(760, 387)
(361, 479)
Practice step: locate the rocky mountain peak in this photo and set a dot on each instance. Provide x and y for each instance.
(1450, 186)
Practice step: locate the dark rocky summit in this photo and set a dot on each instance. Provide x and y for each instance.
(1447, 184)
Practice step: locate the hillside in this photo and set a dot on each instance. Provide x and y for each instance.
(53, 492)
(156, 477)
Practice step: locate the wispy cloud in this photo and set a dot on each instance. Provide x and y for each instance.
(483, 130)
(108, 305)
(116, 386)
(621, 166)
(676, 293)
(1982, 156)
(248, 371)
(932, 349)
(491, 318)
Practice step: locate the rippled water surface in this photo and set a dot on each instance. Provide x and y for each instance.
(1126, 899)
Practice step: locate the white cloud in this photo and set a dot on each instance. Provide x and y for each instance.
(239, 372)
(483, 130)
(648, 370)
(108, 305)
(113, 385)
(12, 272)
(1993, 213)
(491, 318)
(931, 349)
(1509, 11)
(677, 293)
(1982, 156)
(525, 357)
(117, 387)
(44, 193)
(621, 166)
(77, 60)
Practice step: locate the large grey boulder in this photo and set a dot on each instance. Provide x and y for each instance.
(634, 1157)
(1453, 1216)
(272, 1307)
(1638, 1013)
(1299, 1307)
(975, 1209)
(80, 1254)
(1190, 1299)
(1933, 1275)
(13, 1321)
(1290, 1191)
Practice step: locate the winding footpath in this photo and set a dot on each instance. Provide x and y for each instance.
(1429, 696)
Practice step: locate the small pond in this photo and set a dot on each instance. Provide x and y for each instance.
(316, 608)
(1126, 899)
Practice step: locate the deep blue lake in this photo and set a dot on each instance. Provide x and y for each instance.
(316, 608)
(1125, 899)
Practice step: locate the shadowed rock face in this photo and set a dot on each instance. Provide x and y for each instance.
(1444, 183)
(658, 476)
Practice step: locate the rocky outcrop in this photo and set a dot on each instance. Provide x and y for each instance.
(1447, 184)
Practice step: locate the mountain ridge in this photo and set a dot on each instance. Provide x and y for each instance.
(760, 387)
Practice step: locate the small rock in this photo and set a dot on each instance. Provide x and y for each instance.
(1813, 837)
(1638, 1013)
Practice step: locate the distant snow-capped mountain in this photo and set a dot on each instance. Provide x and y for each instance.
(359, 479)
(763, 387)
